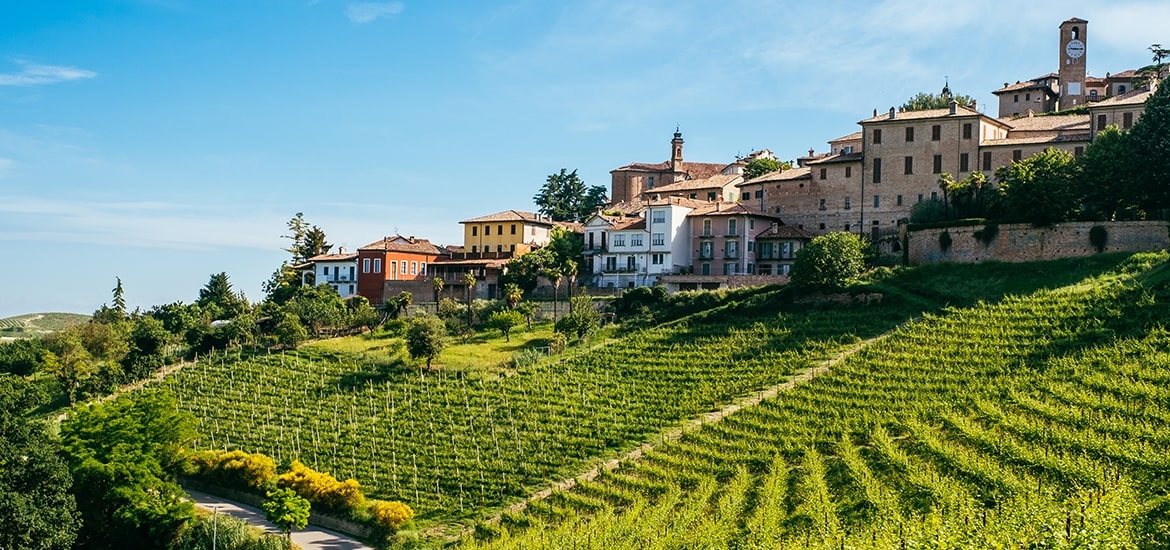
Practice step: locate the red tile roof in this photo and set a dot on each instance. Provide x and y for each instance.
(693, 184)
(398, 243)
(512, 216)
(785, 232)
(801, 172)
(729, 209)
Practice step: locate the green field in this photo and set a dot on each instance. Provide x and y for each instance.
(38, 324)
(459, 443)
(1037, 422)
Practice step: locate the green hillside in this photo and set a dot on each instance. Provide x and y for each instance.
(1036, 422)
(38, 324)
(460, 444)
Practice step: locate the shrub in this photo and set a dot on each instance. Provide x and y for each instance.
(829, 261)
(1098, 236)
(234, 468)
(526, 358)
(322, 488)
(557, 344)
(944, 241)
(933, 210)
(390, 514)
(988, 233)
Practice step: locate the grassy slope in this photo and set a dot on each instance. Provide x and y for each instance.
(39, 324)
(403, 434)
(1037, 421)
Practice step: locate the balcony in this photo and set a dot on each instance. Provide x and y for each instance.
(591, 250)
(609, 269)
(338, 279)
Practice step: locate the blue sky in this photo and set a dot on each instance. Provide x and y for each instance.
(161, 141)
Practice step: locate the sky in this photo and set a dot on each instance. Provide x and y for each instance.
(163, 141)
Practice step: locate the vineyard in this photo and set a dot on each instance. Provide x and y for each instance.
(1040, 421)
(39, 324)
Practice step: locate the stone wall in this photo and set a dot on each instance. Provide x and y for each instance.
(1025, 243)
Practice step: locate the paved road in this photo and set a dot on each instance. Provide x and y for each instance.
(310, 538)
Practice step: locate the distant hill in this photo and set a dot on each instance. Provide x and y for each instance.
(38, 324)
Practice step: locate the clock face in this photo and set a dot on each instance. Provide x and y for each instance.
(1075, 49)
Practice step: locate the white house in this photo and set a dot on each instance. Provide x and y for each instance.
(670, 235)
(336, 270)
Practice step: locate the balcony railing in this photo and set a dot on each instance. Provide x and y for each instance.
(339, 279)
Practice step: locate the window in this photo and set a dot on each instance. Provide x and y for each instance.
(402, 267)
(487, 230)
(731, 226)
(611, 263)
(1017, 154)
(822, 204)
(908, 166)
(1093, 94)
(500, 229)
(967, 130)
(920, 197)
(937, 165)
(636, 240)
(631, 263)
(822, 226)
(899, 200)
(414, 268)
(760, 194)
(511, 248)
(326, 268)
(787, 251)
(824, 172)
(706, 228)
(658, 239)
(706, 269)
(877, 136)
(1028, 96)
(731, 269)
(847, 205)
(377, 265)
(848, 171)
(751, 224)
(711, 196)
(877, 170)
(934, 195)
(877, 201)
(936, 132)
(473, 249)
(732, 250)
(1102, 121)
(1127, 120)
(1016, 98)
(619, 240)
(474, 230)
(365, 265)
(909, 134)
(964, 162)
(659, 216)
(422, 268)
(848, 227)
(706, 249)
(656, 259)
(499, 248)
(650, 182)
(513, 229)
(746, 195)
(986, 161)
(351, 289)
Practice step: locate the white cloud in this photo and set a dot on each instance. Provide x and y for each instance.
(365, 12)
(33, 74)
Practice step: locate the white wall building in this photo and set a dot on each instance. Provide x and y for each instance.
(336, 270)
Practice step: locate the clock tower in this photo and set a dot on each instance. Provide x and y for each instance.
(1072, 63)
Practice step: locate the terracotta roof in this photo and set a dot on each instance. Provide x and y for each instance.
(1032, 140)
(685, 202)
(696, 170)
(729, 209)
(960, 111)
(1049, 123)
(802, 172)
(333, 257)
(1135, 97)
(447, 260)
(627, 207)
(693, 184)
(512, 216)
(398, 243)
(851, 137)
(1028, 85)
(1123, 75)
(785, 232)
(630, 224)
(831, 159)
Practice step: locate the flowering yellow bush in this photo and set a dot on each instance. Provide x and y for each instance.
(234, 468)
(390, 515)
(322, 488)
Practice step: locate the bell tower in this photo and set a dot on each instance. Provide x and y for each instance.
(1072, 63)
(676, 155)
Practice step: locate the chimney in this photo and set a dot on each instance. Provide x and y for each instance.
(411, 238)
(775, 227)
(1005, 84)
(875, 113)
(1030, 113)
(975, 105)
(954, 105)
(341, 250)
(810, 152)
(891, 113)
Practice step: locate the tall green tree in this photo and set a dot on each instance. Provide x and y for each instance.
(219, 300)
(437, 286)
(68, 361)
(1040, 189)
(503, 320)
(469, 281)
(124, 457)
(1149, 143)
(314, 243)
(297, 228)
(829, 261)
(564, 197)
(37, 509)
(581, 320)
(1106, 179)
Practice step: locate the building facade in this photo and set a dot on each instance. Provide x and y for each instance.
(396, 258)
(339, 271)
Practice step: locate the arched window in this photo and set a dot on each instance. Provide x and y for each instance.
(1076, 33)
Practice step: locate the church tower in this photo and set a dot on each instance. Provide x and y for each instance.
(676, 156)
(1072, 63)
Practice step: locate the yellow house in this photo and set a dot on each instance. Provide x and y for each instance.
(510, 231)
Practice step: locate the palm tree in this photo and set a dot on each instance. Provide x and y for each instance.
(571, 272)
(437, 285)
(554, 275)
(469, 281)
(513, 294)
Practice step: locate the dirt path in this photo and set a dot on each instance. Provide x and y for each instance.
(696, 423)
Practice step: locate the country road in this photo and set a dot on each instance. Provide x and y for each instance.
(309, 538)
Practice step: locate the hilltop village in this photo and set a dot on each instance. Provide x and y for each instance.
(691, 225)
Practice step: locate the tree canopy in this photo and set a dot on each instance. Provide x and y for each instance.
(926, 100)
(425, 338)
(1040, 189)
(564, 197)
(829, 261)
(762, 165)
(1149, 143)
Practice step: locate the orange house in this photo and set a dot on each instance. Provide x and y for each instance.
(394, 258)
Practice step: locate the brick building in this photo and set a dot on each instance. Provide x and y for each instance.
(393, 259)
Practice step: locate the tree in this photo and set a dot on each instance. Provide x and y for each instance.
(469, 282)
(124, 456)
(581, 321)
(1106, 179)
(503, 320)
(425, 338)
(287, 510)
(763, 165)
(829, 261)
(554, 275)
(564, 197)
(297, 228)
(1039, 189)
(513, 294)
(68, 361)
(219, 300)
(119, 297)
(437, 286)
(528, 310)
(314, 243)
(1149, 141)
(22, 356)
(289, 330)
(37, 509)
(924, 101)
